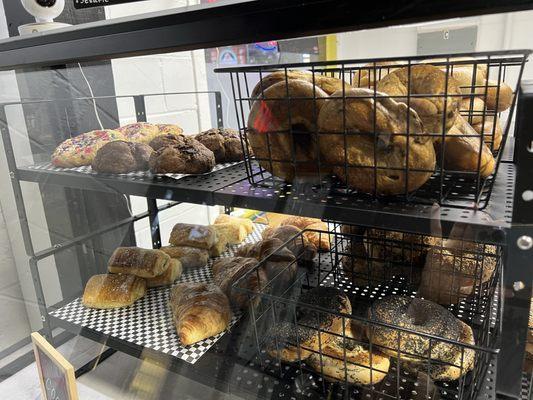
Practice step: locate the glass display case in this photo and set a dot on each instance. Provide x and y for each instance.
(248, 199)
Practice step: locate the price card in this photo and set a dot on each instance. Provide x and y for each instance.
(99, 3)
(55, 372)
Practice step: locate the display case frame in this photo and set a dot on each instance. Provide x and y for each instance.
(507, 220)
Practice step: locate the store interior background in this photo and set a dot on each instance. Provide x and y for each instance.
(178, 72)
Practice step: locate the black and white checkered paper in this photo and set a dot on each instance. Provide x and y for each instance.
(148, 322)
(136, 174)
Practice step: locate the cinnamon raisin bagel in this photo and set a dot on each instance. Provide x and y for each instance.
(282, 131)
(328, 84)
(389, 124)
(418, 315)
(425, 80)
(462, 150)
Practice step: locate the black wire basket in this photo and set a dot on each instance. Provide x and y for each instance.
(341, 350)
(424, 129)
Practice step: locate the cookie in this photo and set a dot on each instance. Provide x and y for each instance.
(169, 128)
(224, 143)
(121, 157)
(81, 150)
(140, 132)
(186, 156)
(165, 140)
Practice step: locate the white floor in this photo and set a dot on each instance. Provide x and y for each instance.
(118, 377)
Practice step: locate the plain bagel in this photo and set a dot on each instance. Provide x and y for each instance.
(425, 80)
(282, 130)
(361, 127)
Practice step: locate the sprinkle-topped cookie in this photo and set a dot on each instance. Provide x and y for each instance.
(81, 150)
(165, 129)
(140, 132)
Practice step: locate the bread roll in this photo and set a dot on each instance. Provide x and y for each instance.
(136, 261)
(234, 234)
(492, 132)
(219, 247)
(369, 74)
(228, 270)
(203, 237)
(473, 109)
(168, 277)
(199, 310)
(505, 95)
(229, 219)
(113, 291)
(190, 257)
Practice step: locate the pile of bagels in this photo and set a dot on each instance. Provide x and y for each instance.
(387, 131)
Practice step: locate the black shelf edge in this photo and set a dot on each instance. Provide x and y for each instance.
(198, 27)
(230, 187)
(197, 189)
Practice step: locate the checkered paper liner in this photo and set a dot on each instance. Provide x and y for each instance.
(148, 322)
(136, 174)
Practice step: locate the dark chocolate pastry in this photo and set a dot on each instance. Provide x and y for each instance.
(186, 156)
(121, 157)
(224, 143)
(165, 140)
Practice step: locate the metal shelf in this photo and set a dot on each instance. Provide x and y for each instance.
(198, 27)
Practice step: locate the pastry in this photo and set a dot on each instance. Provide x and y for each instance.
(360, 151)
(234, 234)
(165, 129)
(165, 140)
(81, 150)
(492, 132)
(200, 236)
(228, 270)
(425, 81)
(224, 143)
(187, 156)
(320, 240)
(113, 291)
(221, 243)
(350, 363)
(140, 132)
(199, 311)
(463, 146)
(298, 244)
(418, 315)
(136, 261)
(283, 133)
(229, 219)
(369, 74)
(190, 257)
(171, 275)
(326, 83)
(121, 157)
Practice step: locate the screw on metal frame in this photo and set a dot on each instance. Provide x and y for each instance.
(524, 242)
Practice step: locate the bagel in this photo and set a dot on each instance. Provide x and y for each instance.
(451, 273)
(352, 363)
(314, 329)
(457, 363)
(328, 84)
(463, 73)
(286, 127)
(367, 75)
(425, 80)
(418, 315)
(504, 94)
(492, 132)
(472, 109)
(359, 143)
(461, 152)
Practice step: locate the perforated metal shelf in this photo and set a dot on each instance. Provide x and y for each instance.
(487, 225)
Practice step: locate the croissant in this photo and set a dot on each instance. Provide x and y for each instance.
(300, 246)
(199, 310)
(319, 240)
(228, 270)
